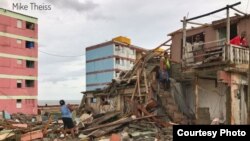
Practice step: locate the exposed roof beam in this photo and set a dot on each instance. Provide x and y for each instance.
(213, 12)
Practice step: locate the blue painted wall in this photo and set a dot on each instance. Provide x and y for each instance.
(100, 65)
(99, 77)
(100, 52)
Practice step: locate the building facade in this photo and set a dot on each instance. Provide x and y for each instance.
(18, 62)
(105, 61)
(215, 77)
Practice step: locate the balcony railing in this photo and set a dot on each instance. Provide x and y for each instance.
(217, 52)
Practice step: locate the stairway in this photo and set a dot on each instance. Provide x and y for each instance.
(172, 108)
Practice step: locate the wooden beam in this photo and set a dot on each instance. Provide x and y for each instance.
(122, 121)
(213, 12)
(195, 23)
(196, 97)
(184, 38)
(238, 11)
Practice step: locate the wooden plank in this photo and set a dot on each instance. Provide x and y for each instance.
(121, 121)
(145, 80)
(104, 118)
(32, 135)
(213, 12)
(20, 125)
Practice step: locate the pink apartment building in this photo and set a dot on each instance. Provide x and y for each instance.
(18, 62)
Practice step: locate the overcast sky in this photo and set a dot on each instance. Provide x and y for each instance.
(72, 25)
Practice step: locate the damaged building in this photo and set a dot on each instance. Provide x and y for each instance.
(209, 80)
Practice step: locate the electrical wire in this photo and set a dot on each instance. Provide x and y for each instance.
(58, 55)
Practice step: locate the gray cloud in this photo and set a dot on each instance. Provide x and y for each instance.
(74, 5)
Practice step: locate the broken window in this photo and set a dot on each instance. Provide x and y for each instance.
(29, 83)
(19, 83)
(19, 24)
(19, 103)
(30, 26)
(30, 64)
(92, 100)
(104, 100)
(29, 44)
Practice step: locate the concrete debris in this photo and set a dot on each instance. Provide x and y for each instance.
(135, 106)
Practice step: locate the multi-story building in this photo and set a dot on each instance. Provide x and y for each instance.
(18, 62)
(105, 61)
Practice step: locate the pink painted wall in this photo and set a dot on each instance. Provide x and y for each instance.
(9, 25)
(29, 106)
(9, 87)
(10, 46)
(9, 66)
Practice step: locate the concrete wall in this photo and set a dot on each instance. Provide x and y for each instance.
(209, 33)
(100, 77)
(100, 52)
(114, 104)
(13, 57)
(213, 97)
(105, 64)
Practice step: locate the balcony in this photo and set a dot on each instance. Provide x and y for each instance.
(217, 54)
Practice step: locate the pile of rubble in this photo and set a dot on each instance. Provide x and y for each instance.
(137, 107)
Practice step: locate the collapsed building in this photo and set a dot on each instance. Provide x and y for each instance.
(206, 84)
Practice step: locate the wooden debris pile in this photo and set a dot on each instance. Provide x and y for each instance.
(147, 109)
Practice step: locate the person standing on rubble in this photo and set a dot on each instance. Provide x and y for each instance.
(164, 70)
(67, 119)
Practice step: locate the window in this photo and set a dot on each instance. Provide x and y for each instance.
(19, 83)
(29, 83)
(29, 44)
(30, 64)
(122, 62)
(19, 61)
(122, 49)
(92, 100)
(117, 61)
(191, 39)
(19, 103)
(133, 52)
(117, 48)
(117, 73)
(104, 101)
(18, 41)
(19, 24)
(30, 26)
